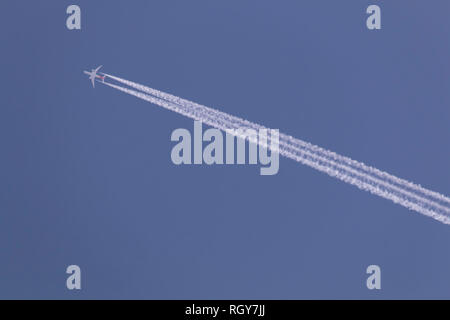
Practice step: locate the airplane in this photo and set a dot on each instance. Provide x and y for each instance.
(93, 74)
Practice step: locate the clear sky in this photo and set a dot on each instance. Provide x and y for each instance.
(86, 176)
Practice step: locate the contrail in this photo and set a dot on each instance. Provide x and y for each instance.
(385, 185)
(283, 137)
(404, 184)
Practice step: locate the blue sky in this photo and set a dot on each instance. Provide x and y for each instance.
(86, 176)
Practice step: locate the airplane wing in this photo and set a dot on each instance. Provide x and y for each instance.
(93, 81)
(98, 68)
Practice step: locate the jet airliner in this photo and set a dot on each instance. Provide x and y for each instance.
(93, 75)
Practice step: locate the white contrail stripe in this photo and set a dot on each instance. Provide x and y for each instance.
(404, 184)
(360, 170)
(346, 174)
